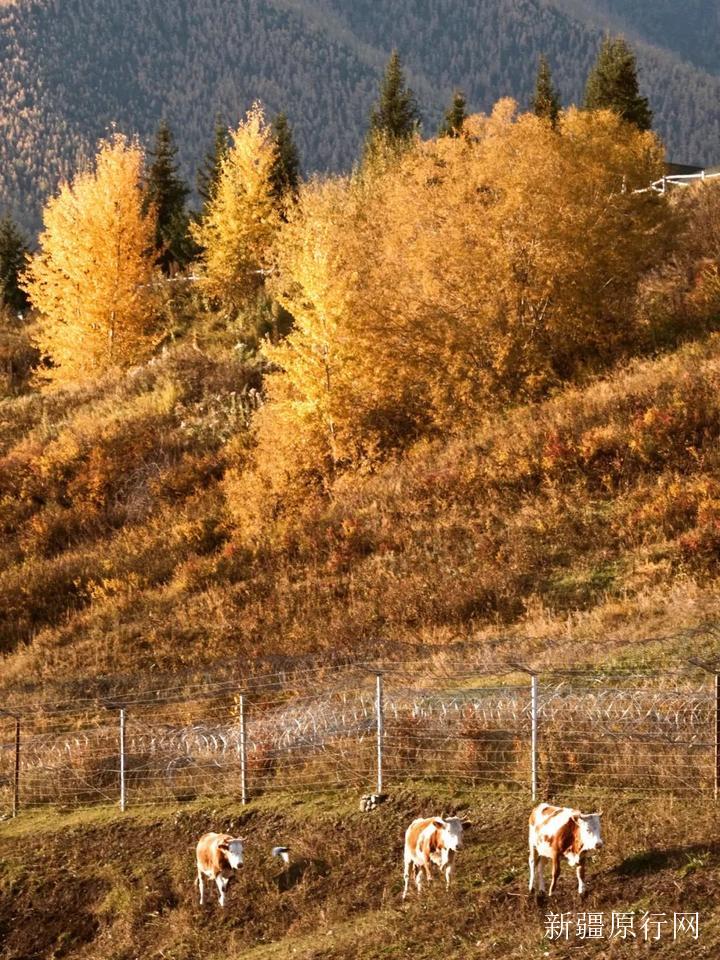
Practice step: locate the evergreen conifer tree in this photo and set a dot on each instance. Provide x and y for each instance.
(394, 119)
(13, 254)
(167, 193)
(455, 116)
(285, 173)
(207, 175)
(546, 102)
(613, 84)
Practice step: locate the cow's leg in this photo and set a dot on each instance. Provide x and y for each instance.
(201, 886)
(448, 866)
(580, 871)
(221, 882)
(555, 871)
(532, 860)
(539, 874)
(419, 873)
(406, 876)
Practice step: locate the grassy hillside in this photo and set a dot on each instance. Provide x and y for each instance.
(107, 886)
(69, 71)
(586, 522)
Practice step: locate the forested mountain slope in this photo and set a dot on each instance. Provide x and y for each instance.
(690, 30)
(68, 70)
(491, 50)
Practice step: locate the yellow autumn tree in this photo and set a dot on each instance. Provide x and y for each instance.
(476, 271)
(91, 280)
(241, 217)
(506, 261)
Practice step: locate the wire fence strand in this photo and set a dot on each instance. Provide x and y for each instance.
(642, 733)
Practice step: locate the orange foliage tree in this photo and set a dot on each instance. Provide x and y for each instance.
(475, 271)
(241, 217)
(91, 281)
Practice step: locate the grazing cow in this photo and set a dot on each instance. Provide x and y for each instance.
(218, 857)
(432, 840)
(557, 832)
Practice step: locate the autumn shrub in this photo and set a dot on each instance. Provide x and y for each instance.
(19, 356)
(57, 528)
(41, 590)
(563, 500)
(474, 272)
(680, 298)
(38, 592)
(701, 543)
(120, 454)
(107, 489)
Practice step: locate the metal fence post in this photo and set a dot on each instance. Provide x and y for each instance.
(16, 778)
(533, 735)
(122, 759)
(243, 752)
(380, 725)
(712, 668)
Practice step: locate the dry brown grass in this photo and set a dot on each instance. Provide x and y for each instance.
(576, 527)
(106, 887)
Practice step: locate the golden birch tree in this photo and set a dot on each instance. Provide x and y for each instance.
(241, 218)
(91, 280)
(297, 445)
(475, 271)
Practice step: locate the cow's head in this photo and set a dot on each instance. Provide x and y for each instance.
(452, 831)
(233, 850)
(590, 835)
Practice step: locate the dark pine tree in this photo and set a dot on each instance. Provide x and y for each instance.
(207, 175)
(546, 102)
(613, 84)
(455, 116)
(168, 193)
(13, 251)
(285, 173)
(394, 119)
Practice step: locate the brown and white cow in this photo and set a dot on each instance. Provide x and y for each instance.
(218, 857)
(432, 840)
(557, 833)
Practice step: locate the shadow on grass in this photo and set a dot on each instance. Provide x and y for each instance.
(652, 861)
(298, 871)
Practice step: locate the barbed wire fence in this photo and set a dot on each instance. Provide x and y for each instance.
(550, 735)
